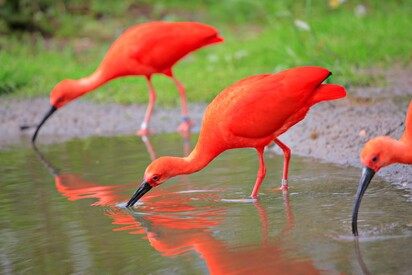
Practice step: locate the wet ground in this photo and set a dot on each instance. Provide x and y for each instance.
(63, 212)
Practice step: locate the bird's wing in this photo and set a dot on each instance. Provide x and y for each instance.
(154, 47)
(145, 49)
(259, 108)
(162, 44)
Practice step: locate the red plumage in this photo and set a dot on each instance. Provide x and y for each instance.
(252, 112)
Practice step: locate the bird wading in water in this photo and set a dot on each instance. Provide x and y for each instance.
(252, 112)
(142, 50)
(380, 152)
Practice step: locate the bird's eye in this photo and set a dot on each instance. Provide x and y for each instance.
(155, 178)
(375, 159)
(60, 100)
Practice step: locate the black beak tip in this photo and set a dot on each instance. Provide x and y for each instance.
(46, 116)
(143, 189)
(355, 229)
(131, 202)
(367, 175)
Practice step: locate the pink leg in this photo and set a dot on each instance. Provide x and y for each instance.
(144, 131)
(184, 127)
(286, 159)
(261, 173)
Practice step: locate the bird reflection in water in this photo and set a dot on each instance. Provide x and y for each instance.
(174, 237)
(176, 223)
(74, 187)
(359, 257)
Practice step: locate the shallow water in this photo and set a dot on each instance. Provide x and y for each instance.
(63, 212)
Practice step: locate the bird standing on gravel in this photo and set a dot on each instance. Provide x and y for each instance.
(380, 152)
(142, 50)
(252, 113)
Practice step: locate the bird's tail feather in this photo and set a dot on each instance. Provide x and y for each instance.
(327, 92)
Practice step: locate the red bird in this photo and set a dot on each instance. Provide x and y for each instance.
(145, 49)
(380, 152)
(253, 112)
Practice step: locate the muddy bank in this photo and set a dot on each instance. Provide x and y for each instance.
(332, 131)
(81, 119)
(336, 132)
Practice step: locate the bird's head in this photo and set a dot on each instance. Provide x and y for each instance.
(63, 93)
(59, 96)
(375, 153)
(159, 171)
(374, 156)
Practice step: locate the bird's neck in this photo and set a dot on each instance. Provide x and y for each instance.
(90, 83)
(402, 152)
(407, 135)
(196, 161)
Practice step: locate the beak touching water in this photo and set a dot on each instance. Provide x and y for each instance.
(143, 189)
(367, 175)
(46, 116)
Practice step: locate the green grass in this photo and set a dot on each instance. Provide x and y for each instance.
(260, 37)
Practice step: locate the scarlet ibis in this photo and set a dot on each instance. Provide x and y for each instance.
(142, 50)
(380, 152)
(252, 112)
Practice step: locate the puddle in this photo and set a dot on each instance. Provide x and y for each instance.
(65, 213)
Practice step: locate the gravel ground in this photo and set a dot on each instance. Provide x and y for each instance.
(333, 131)
(81, 119)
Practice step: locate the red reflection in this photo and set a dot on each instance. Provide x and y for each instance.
(75, 188)
(267, 257)
(179, 222)
(174, 226)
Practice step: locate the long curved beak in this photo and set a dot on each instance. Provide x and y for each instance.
(143, 189)
(367, 175)
(46, 116)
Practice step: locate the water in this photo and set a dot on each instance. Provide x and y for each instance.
(64, 213)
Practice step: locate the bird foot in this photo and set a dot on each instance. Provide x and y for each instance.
(184, 127)
(284, 187)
